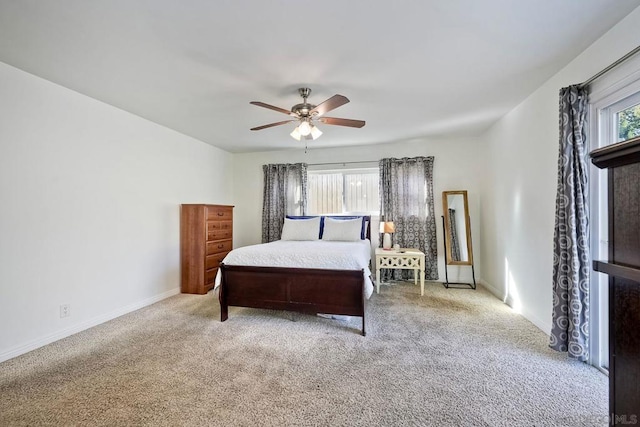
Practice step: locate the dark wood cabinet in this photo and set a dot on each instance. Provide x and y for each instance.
(206, 237)
(623, 267)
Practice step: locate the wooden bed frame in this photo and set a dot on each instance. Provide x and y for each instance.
(303, 290)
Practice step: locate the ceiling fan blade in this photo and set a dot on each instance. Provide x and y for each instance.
(270, 125)
(272, 107)
(342, 122)
(334, 102)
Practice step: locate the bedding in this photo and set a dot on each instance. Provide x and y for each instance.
(313, 254)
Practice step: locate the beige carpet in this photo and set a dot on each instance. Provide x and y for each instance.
(452, 357)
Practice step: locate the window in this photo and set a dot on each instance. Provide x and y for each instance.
(352, 191)
(617, 121)
(615, 117)
(628, 123)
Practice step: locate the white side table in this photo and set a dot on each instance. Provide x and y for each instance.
(404, 259)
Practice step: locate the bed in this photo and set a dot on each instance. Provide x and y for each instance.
(323, 269)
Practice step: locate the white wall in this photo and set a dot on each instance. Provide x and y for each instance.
(90, 209)
(457, 166)
(518, 192)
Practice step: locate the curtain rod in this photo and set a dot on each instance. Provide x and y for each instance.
(342, 163)
(610, 67)
(410, 159)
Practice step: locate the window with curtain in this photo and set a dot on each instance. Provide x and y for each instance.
(285, 193)
(406, 198)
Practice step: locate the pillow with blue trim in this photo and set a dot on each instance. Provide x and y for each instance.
(345, 230)
(303, 217)
(363, 234)
(301, 229)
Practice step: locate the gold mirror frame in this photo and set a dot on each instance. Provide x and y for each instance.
(447, 227)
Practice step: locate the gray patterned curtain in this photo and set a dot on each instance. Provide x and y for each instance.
(406, 198)
(455, 244)
(570, 327)
(285, 193)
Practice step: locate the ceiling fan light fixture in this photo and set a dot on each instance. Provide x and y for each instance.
(305, 114)
(304, 128)
(296, 134)
(315, 132)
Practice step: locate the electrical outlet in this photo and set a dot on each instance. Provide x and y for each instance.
(65, 310)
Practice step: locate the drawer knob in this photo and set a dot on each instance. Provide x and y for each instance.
(220, 246)
(220, 213)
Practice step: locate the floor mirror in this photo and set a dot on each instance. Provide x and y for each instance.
(456, 226)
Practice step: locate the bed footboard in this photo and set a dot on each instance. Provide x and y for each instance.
(303, 290)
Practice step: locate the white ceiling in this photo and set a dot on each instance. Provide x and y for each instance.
(411, 69)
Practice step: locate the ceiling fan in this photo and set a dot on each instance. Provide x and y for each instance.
(306, 114)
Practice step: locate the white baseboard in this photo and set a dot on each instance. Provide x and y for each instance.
(48, 339)
(495, 291)
(527, 314)
(543, 326)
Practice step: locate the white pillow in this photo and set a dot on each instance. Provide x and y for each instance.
(301, 229)
(346, 230)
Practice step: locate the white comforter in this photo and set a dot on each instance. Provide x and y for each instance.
(306, 254)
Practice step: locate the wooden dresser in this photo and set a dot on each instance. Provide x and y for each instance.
(623, 267)
(206, 236)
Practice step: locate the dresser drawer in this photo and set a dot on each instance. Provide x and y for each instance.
(219, 213)
(213, 261)
(217, 247)
(219, 234)
(219, 225)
